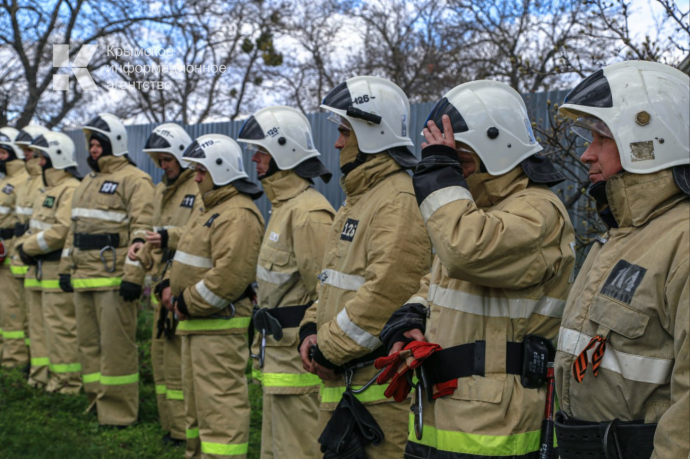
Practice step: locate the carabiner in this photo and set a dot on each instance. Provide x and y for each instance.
(262, 348)
(232, 308)
(418, 410)
(39, 271)
(349, 374)
(105, 262)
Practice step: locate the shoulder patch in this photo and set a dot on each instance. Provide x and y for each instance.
(8, 189)
(349, 230)
(188, 201)
(623, 281)
(108, 187)
(49, 201)
(210, 220)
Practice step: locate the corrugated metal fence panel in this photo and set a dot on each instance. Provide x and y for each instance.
(325, 135)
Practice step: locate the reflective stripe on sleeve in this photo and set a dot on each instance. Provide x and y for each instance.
(66, 253)
(97, 282)
(107, 215)
(193, 260)
(341, 280)
(65, 367)
(42, 244)
(136, 263)
(355, 333)
(24, 210)
(272, 277)
(119, 380)
(5, 210)
(440, 198)
(289, 379)
(632, 367)
(160, 228)
(39, 225)
(213, 324)
(513, 308)
(210, 297)
(224, 450)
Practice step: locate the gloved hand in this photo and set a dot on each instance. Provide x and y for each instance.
(130, 291)
(399, 364)
(26, 259)
(409, 317)
(66, 283)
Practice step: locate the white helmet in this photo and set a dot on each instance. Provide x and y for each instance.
(285, 133)
(58, 147)
(376, 108)
(110, 127)
(222, 158)
(7, 137)
(168, 138)
(28, 134)
(492, 119)
(646, 107)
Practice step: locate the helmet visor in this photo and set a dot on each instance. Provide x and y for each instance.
(444, 107)
(23, 138)
(40, 141)
(156, 142)
(339, 97)
(98, 123)
(251, 130)
(584, 127)
(340, 121)
(194, 151)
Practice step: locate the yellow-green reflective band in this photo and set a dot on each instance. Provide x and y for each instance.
(40, 361)
(13, 334)
(334, 394)
(91, 378)
(481, 445)
(213, 324)
(65, 367)
(97, 282)
(224, 450)
(192, 433)
(27, 341)
(119, 380)
(19, 270)
(154, 300)
(256, 374)
(28, 282)
(290, 380)
(8, 261)
(50, 284)
(160, 389)
(174, 394)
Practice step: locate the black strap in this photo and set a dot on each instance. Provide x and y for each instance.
(289, 316)
(85, 241)
(20, 229)
(7, 233)
(52, 256)
(467, 360)
(167, 255)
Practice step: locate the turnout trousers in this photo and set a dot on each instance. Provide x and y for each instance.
(40, 360)
(13, 322)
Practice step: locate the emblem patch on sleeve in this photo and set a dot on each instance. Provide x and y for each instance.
(49, 201)
(108, 187)
(188, 201)
(8, 189)
(623, 281)
(349, 230)
(210, 220)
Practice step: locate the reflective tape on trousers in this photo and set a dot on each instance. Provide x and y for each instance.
(160, 389)
(46, 284)
(192, 433)
(40, 361)
(97, 282)
(289, 380)
(13, 334)
(91, 378)
(171, 394)
(213, 324)
(19, 270)
(119, 380)
(65, 367)
(224, 450)
(373, 393)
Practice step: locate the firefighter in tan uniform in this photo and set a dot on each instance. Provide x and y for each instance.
(623, 361)
(111, 209)
(26, 195)
(53, 318)
(15, 353)
(376, 252)
(210, 282)
(175, 201)
(289, 261)
(496, 292)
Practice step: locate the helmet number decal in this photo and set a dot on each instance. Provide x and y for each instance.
(349, 230)
(362, 99)
(188, 201)
(108, 187)
(272, 132)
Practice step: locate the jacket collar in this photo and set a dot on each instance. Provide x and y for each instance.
(215, 197)
(488, 190)
(109, 164)
(283, 185)
(365, 177)
(54, 177)
(15, 167)
(635, 199)
(185, 175)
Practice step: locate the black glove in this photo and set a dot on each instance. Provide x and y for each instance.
(162, 285)
(66, 283)
(263, 320)
(349, 430)
(439, 168)
(26, 259)
(130, 291)
(164, 238)
(410, 317)
(181, 304)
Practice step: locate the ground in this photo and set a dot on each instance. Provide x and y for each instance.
(34, 424)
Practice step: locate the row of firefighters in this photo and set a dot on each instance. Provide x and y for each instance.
(427, 318)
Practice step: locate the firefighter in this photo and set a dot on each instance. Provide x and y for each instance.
(15, 353)
(53, 318)
(290, 259)
(175, 201)
(111, 209)
(628, 310)
(497, 288)
(26, 195)
(376, 252)
(209, 284)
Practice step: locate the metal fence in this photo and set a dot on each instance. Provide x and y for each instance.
(325, 135)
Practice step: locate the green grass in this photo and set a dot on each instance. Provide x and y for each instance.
(35, 424)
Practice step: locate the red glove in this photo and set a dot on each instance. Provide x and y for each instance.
(399, 364)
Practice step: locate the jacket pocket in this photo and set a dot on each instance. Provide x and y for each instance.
(480, 389)
(617, 317)
(274, 258)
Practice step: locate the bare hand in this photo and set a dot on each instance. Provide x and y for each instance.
(180, 316)
(415, 335)
(166, 299)
(324, 373)
(153, 238)
(308, 342)
(434, 136)
(133, 249)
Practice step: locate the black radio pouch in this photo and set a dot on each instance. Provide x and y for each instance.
(537, 352)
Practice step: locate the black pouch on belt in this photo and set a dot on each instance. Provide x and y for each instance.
(537, 352)
(350, 429)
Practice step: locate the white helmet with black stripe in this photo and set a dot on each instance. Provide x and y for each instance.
(58, 147)
(28, 134)
(7, 137)
(168, 138)
(110, 127)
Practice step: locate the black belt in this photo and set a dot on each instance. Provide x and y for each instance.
(85, 241)
(603, 440)
(288, 316)
(52, 256)
(468, 360)
(363, 361)
(20, 229)
(6, 233)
